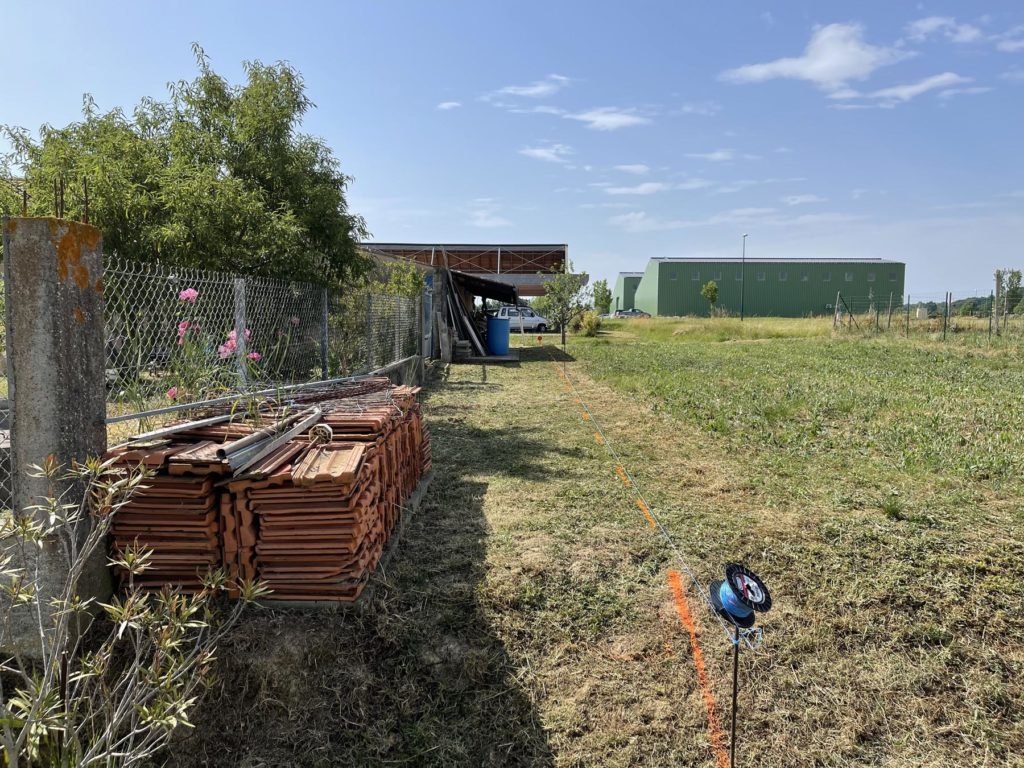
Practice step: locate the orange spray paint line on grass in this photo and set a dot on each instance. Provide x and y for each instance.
(600, 440)
(622, 475)
(715, 732)
(586, 416)
(647, 513)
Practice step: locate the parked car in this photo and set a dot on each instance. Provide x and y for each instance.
(523, 319)
(620, 313)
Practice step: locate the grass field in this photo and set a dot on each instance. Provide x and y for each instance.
(526, 619)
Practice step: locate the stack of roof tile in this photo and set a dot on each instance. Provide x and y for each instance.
(309, 515)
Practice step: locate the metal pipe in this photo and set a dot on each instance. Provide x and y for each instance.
(229, 449)
(233, 398)
(177, 428)
(275, 443)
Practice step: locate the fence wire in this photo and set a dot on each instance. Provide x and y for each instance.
(6, 477)
(937, 316)
(182, 335)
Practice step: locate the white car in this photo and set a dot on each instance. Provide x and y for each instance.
(523, 319)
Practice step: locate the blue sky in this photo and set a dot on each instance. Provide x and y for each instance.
(627, 130)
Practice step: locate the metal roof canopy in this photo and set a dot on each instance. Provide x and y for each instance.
(489, 258)
(487, 289)
(782, 260)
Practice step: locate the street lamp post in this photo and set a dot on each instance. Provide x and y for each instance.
(743, 277)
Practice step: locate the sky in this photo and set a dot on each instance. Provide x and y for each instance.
(626, 130)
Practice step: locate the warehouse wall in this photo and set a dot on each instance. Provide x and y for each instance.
(624, 293)
(772, 289)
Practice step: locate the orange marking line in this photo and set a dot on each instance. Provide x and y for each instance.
(647, 513)
(586, 416)
(600, 440)
(622, 475)
(715, 733)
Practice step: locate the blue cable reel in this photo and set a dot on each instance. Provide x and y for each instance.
(739, 595)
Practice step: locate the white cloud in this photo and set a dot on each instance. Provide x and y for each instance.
(701, 108)
(444, 105)
(638, 169)
(641, 221)
(694, 183)
(1012, 40)
(783, 150)
(540, 89)
(484, 214)
(552, 153)
(647, 188)
(1013, 75)
(897, 94)
(920, 30)
(718, 156)
(835, 55)
(972, 91)
(803, 199)
(609, 118)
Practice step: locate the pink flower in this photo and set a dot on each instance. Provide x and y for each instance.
(172, 393)
(295, 320)
(189, 294)
(227, 348)
(255, 356)
(182, 327)
(233, 335)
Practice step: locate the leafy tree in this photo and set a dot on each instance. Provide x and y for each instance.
(1013, 288)
(710, 292)
(966, 308)
(219, 177)
(1019, 310)
(602, 297)
(565, 298)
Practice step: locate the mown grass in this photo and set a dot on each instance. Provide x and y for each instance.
(881, 495)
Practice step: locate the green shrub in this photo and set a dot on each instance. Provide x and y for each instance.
(590, 322)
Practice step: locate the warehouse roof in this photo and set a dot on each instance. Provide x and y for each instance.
(683, 260)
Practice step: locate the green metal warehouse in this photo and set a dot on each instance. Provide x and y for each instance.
(767, 287)
(625, 289)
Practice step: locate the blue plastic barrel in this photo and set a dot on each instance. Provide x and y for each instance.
(497, 335)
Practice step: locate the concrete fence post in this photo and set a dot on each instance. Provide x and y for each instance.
(325, 338)
(53, 273)
(240, 326)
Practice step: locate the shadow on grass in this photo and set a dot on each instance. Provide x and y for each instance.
(544, 354)
(417, 676)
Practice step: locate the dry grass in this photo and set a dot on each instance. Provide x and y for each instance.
(526, 619)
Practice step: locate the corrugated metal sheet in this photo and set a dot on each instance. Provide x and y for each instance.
(769, 288)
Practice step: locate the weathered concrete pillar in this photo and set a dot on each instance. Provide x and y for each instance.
(54, 303)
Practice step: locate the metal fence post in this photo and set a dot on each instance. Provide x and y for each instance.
(240, 321)
(369, 332)
(325, 339)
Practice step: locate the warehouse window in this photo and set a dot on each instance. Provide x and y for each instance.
(783, 277)
(718, 276)
(673, 275)
(761, 277)
(892, 277)
(739, 275)
(849, 277)
(827, 277)
(871, 277)
(805, 277)
(696, 277)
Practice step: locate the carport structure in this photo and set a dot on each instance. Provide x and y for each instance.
(527, 267)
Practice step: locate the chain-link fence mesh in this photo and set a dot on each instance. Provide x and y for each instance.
(943, 316)
(182, 335)
(6, 478)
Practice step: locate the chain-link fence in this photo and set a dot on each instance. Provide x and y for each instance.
(183, 335)
(6, 479)
(972, 318)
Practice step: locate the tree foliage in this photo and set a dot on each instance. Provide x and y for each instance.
(565, 298)
(710, 292)
(219, 177)
(602, 297)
